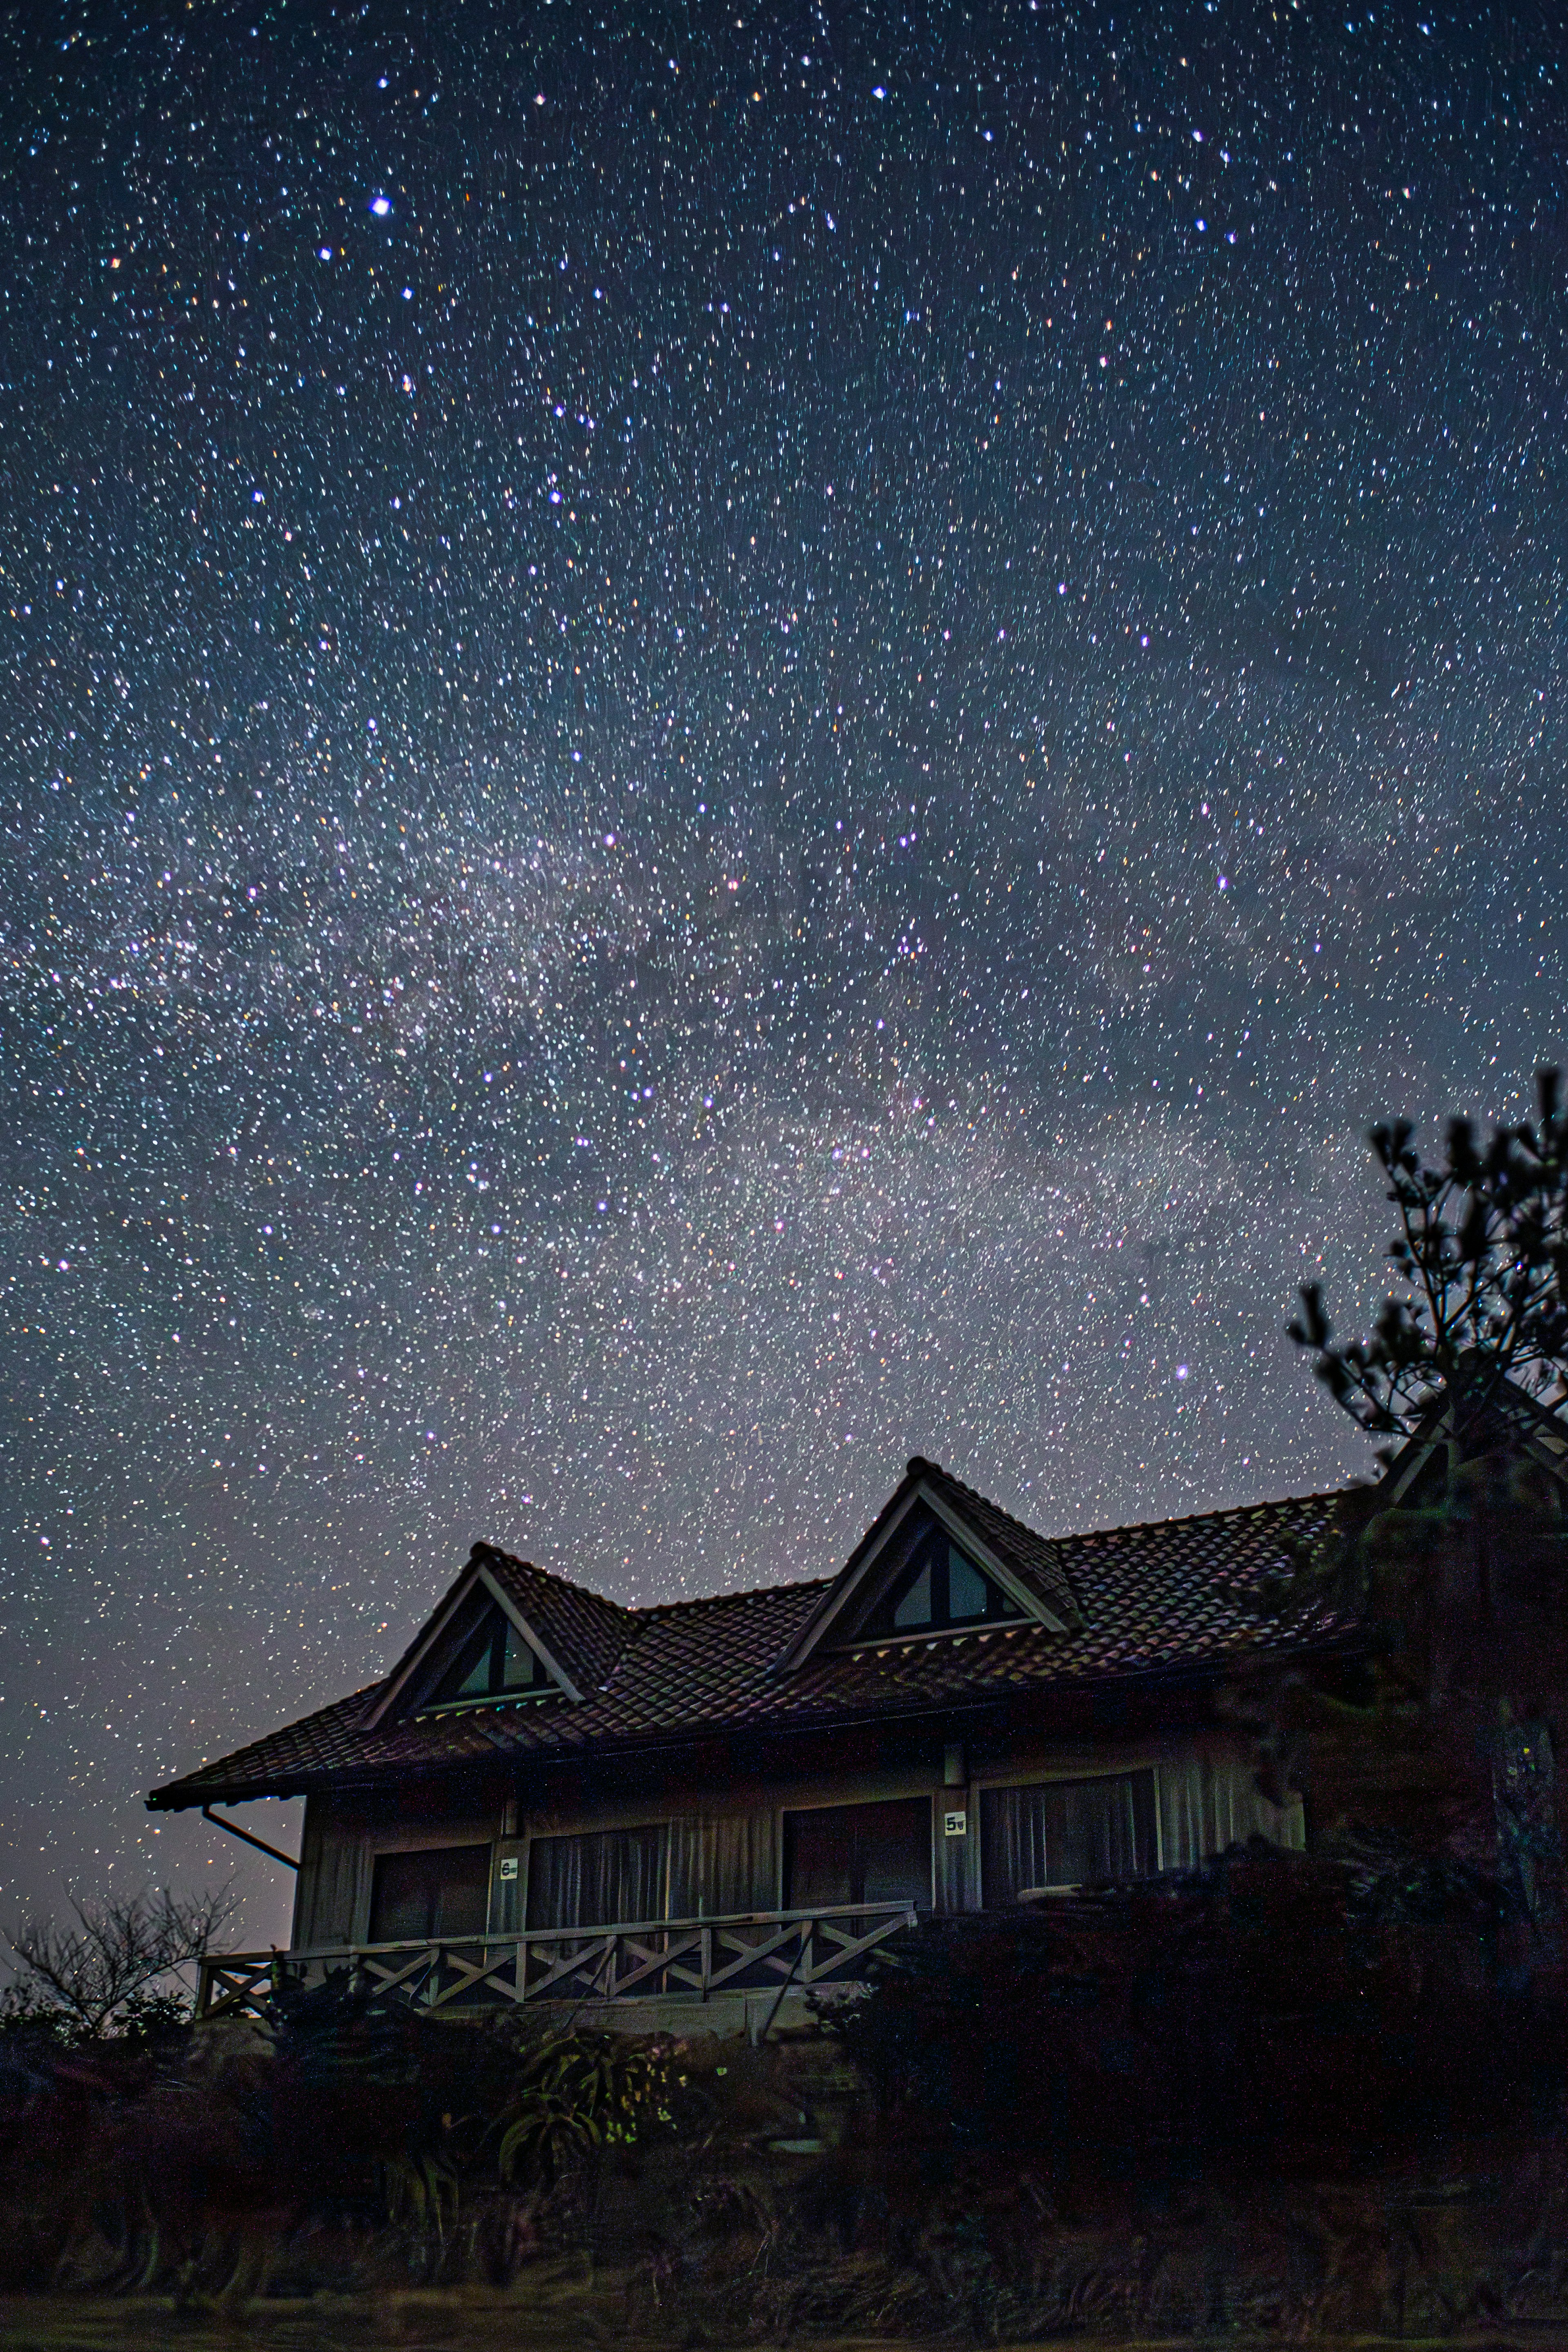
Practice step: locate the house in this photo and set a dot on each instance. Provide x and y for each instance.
(730, 1802)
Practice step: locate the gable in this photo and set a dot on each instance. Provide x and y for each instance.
(929, 1567)
(938, 1588)
(480, 1649)
(1512, 1421)
(496, 1661)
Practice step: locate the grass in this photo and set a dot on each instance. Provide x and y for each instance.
(564, 2314)
(371, 2179)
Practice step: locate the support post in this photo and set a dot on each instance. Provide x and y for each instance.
(289, 1861)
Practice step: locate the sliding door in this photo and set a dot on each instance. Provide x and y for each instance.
(858, 1853)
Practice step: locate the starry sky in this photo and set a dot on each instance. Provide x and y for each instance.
(732, 740)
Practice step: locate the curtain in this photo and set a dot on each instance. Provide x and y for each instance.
(724, 1864)
(602, 1879)
(439, 1892)
(1066, 1833)
(332, 1892)
(1210, 1802)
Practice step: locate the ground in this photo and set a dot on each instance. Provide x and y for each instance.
(561, 2315)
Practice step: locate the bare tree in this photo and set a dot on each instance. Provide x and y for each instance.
(96, 1971)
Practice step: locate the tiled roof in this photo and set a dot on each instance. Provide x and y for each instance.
(1145, 1599)
(585, 1630)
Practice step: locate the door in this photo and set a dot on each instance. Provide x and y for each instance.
(858, 1853)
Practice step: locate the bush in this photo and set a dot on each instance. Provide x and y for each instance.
(1273, 2011)
(357, 2125)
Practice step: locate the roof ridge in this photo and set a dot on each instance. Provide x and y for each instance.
(514, 1560)
(919, 1463)
(1191, 1518)
(750, 1592)
(639, 1613)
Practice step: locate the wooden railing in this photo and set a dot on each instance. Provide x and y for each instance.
(693, 1959)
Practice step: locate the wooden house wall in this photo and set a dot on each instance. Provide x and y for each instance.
(333, 1858)
(345, 1833)
(726, 1834)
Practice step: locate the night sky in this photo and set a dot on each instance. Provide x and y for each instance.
(730, 742)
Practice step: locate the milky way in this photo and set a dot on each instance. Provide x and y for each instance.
(730, 743)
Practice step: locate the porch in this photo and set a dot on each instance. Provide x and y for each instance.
(732, 1974)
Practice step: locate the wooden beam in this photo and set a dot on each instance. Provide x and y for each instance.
(289, 1861)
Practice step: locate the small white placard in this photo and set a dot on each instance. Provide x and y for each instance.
(956, 1824)
(508, 1865)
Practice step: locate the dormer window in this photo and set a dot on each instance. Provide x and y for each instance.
(940, 1591)
(496, 1662)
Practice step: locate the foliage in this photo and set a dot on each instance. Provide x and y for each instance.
(1403, 1568)
(577, 2092)
(505, 2100)
(1266, 2010)
(24, 2016)
(360, 2122)
(1021, 2180)
(1482, 1250)
(112, 1969)
(1457, 1582)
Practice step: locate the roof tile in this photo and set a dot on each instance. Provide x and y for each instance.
(1157, 1595)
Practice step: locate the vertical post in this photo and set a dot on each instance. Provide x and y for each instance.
(203, 1988)
(706, 1959)
(800, 1952)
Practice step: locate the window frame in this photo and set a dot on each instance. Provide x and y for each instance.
(517, 1694)
(444, 1845)
(933, 1552)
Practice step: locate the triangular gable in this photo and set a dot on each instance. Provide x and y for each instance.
(895, 1549)
(495, 1660)
(477, 1602)
(1509, 1417)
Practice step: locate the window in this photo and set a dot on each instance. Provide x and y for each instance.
(441, 1893)
(1066, 1833)
(496, 1662)
(939, 1591)
(606, 1878)
(858, 1853)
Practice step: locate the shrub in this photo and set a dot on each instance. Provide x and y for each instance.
(1270, 2012)
(359, 2121)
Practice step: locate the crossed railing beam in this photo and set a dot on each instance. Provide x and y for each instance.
(625, 1961)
